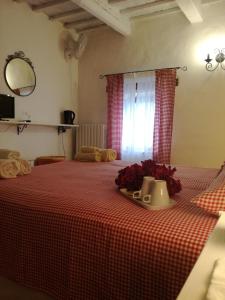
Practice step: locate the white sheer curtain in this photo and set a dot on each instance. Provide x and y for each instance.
(138, 116)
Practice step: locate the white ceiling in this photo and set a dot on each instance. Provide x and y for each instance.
(83, 15)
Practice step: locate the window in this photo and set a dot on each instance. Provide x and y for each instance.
(136, 104)
(138, 116)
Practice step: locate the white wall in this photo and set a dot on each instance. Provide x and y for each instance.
(56, 90)
(199, 123)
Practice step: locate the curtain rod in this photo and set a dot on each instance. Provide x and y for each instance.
(183, 68)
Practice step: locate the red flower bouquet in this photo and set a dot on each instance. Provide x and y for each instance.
(131, 177)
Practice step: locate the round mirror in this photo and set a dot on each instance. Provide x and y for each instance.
(19, 74)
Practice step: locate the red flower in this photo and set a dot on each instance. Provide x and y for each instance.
(131, 177)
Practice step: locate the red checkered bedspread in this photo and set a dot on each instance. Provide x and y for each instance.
(66, 230)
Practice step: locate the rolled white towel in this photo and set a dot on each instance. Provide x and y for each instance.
(7, 153)
(25, 167)
(216, 290)
(108, 154)
(9, 168)
(89, 149)
(96, 157)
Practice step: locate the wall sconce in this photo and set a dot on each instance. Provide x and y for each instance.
(219, 58)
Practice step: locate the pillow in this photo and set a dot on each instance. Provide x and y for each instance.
(221, 169)
(213, 198)
(219, 179)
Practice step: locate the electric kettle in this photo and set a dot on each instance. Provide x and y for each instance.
(69, 116)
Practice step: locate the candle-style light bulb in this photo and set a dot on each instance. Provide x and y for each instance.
(208, 59)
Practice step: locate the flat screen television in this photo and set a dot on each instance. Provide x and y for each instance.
(7, 106)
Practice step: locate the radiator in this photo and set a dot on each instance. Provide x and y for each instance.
(90, 135)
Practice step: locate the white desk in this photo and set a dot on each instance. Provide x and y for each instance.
(196, 285)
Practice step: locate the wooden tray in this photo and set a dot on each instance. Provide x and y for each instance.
(138, 201)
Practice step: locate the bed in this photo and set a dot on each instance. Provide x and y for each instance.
(67, 231)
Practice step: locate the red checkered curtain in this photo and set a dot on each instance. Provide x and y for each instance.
(164, 106)
(115, 112)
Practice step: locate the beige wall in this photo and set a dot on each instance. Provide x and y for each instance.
(199, 123)
(56, 90)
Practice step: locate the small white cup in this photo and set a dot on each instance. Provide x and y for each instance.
(137, 195)
(145, 188)
(146, 199)
(159, 193)
(147, 185)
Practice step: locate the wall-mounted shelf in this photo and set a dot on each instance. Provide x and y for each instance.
(21, 125)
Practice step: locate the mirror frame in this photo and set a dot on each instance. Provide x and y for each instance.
(20, 55)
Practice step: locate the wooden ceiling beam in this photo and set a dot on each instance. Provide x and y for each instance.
(191, 9)
(107, 14)
(145, 5)
(122, 4)
(211, 1)
(48, 4)
(80, 22)
(116, 1)
(90, 28)
(158, 13)
(69, 13)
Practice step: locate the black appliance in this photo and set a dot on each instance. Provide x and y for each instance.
(7, 106)
(69, 116)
